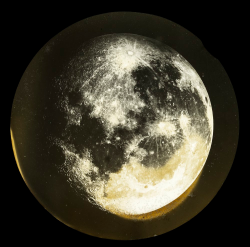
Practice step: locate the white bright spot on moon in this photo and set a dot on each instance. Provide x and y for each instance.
(108, 89)
(165, 128)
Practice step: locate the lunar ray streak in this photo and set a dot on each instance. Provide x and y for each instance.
(95, 73)
(148, 66)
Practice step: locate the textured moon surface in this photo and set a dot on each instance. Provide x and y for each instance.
(139, 123)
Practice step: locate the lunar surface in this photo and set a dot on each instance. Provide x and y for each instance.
(139, 123)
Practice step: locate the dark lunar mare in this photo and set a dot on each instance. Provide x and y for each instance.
(154, 83)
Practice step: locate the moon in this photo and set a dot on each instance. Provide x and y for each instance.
(139, 123)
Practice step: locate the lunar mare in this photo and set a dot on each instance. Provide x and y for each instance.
(142, 123)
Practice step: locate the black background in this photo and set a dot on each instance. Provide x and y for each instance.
(30, 27)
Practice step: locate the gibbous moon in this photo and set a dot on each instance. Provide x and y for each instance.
(139, 123)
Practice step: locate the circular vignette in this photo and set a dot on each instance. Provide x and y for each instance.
(215, 80)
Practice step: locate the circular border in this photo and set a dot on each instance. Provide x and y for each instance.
(225, 113)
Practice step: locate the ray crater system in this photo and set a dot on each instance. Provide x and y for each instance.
(139, 123)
